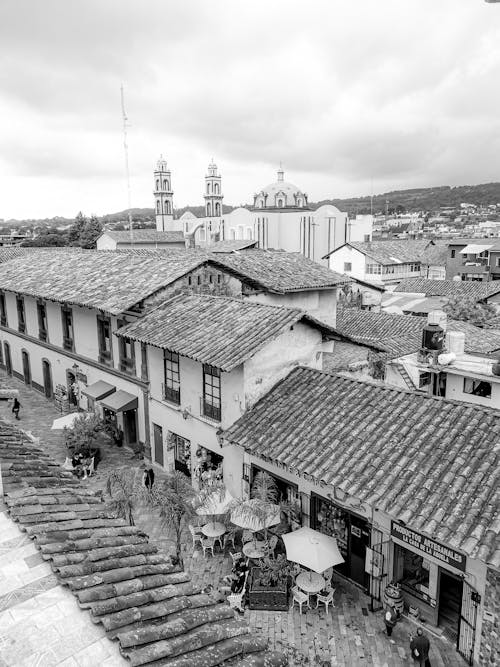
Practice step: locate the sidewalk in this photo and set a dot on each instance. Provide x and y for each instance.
(348, 636)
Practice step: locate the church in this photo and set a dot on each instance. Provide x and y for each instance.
(280, 217)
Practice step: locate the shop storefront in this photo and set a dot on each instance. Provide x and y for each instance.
(207, 469)
(121, 403)
(433, 583)
(288, 492)
(351, 531)
(180, 448)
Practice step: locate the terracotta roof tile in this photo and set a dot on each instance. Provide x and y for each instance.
(393, 252)
(219, 331)
(388, 447)
(450, 288)
(145, 236)
(140, 598)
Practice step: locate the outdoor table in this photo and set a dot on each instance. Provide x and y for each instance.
(310, 582)
(213, 529)
(255, 549)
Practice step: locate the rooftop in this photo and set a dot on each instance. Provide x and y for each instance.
(232, 245)
(278, 271)
(219, 331)
(450, 288)
(392, 252)
(109, 281)
(145, 236)
(432, 463)
(402, 334)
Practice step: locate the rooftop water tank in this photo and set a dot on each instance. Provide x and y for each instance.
(432, 337)
(455, 342)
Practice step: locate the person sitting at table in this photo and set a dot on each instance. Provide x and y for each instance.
(239, 581)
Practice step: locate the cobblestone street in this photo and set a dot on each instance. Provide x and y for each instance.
(348, 635)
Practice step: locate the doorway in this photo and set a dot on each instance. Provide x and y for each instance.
(130, 426)
(450, 603)
(71, 384)
(158, 443)
(8, 358)
(47, 378)
(26, 367)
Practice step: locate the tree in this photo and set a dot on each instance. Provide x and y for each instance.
(467, 309)
(91, 231)
(46, 240)
(122, 487)
(174, 496)
(86, 432)
(76, 229)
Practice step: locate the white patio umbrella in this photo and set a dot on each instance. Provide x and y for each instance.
(68, 420)
(256, 514)
(312, 549)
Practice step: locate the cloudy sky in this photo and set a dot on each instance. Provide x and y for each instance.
(348, 94)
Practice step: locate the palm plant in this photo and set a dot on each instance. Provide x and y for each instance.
(174, 498)
(264, 488)
(122, 487)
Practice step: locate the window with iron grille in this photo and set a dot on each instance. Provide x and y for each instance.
(127, 355)
(21, 319)
(41, 310)
(211, 406)
(3, 310)
(67, 327)
(172, 384)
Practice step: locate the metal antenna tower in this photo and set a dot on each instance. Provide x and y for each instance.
(127, 171)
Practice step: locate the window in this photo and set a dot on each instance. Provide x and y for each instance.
(3, 310)
(21, 319)
(498, 261)
(158, 207)
(157, 184)
(477, 387)
(127, 352)
(453, 253)
(172, 385)
(211, 406)
(217, 208)
(67, 327)
(367, 238)
(232, 234)
(347, 267)
(209, 209)
(104, 338)
(216, 188)
(424, 380)
(42, 320)
(219, 278)
(144, 362)
(374, 269)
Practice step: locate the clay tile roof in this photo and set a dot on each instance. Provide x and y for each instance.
(219, 331)
(145, 236)
(393, 252)
(278, 271)
(231, 245)
(402, 334)
(109, 281)
(145, 602)
(450, 288)
(353, 435)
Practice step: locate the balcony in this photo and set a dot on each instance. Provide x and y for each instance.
(127, 365)
(170, 394)
(210, 411)
(68, 343)
(42, 334)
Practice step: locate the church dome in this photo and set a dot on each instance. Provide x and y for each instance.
(280, 195)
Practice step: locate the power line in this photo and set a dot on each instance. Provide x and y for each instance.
(127, 171)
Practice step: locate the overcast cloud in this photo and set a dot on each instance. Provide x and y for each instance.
(398, 93)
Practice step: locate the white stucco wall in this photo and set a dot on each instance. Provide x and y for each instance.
(455, 390)
(315, 302)
(355, 258)
(105, 242)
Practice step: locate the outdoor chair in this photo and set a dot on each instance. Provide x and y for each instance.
(196, 536)
(230, 536)
(237, 600)
(207, 544)
(220, 540)
(271, 545)
(326, 599)
(235, 557)
(300, 598)
(327, 575)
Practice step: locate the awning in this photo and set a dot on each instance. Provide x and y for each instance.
(98, 390)
(473, 249)
(120, 401)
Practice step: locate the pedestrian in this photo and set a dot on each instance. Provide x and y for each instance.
(118, 435)
(16, 407)
(148, 479)
(419, 647)
(391, 618)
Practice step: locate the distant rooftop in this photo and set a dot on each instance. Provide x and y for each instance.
(145, 236)
(393, 252)
(477, 289)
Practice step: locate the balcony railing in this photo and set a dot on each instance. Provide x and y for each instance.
(42, 334)
(127, 365)
(170, 394)
(68, 343)
(210, 411)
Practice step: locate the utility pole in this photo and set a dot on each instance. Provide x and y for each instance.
(127, 171)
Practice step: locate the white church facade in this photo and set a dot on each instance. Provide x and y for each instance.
(279, 218)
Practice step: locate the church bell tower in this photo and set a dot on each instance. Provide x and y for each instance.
(213, 192)
(164, 209)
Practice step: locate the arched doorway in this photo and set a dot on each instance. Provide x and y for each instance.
(26, 367)
(47, 378)
(8, 358)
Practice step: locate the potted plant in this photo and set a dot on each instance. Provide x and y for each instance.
(268, 588)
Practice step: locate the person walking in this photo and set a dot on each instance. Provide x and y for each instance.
(390, 619)
(419, 647)
(16, 406)
(148, 479)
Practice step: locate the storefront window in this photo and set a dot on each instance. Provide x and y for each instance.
(410, 570)
(333, 521)
(182, 452)
(207, 467)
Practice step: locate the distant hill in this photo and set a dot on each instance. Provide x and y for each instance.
(418, 199)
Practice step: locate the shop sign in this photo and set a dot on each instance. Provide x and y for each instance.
(429, 547)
